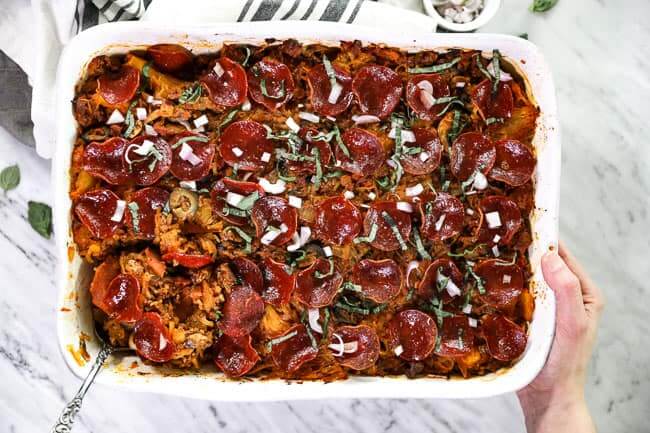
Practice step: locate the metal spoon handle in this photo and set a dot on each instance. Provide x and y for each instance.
(67, 417)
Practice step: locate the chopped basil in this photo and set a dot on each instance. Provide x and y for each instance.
(39, 216)
(189, 138)
(280, 339)
(335, 173)
(445, 186)
(281, 176)
(523, 35)
(479, 281)
(496, 67)
(348, 285)
(393, 226)
(319, 169)
(455, 127)
(339, 141)
(305, 322)
(383, 182)
(352, 308)
(280, 94)
(434, 68)
(320, 275)
(411, 150)
(242, 234)
(229, 117)
(191, 94)
(419, 245)
(247, 202)
(135, 216)
(465, 252)
(129, 120)
(441, 284)
(481, 67)
(371, 236)
(145, 69)
(507, 263)
(491, 120)
(248, 55)
(455, 101)
(329, 69)
(326, 321)
(227, 210)
(157, 156)
(542, 5)
(10, 177)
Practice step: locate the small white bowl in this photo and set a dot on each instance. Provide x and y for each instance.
(490, 8)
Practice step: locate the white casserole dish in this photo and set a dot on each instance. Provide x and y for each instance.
(74, 311)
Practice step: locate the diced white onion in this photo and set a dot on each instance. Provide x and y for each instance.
(424, 156)
(496, 238)
(237, 151)
(335, 93)
(273, 188)
(313, 315)
(269, 237)
(365, 206)
(413, 264)
(144, 148)
(365, 119)
(349, 347)
(188, 184)
(503, 76)
(440, 222)
(115, 117)
(292, 124)
(414, 190)
(472, 322)
(453, 289)
(119, 211)
(331, 118)
(299, 240)
(469, 211)
(187, 154)
(391, 163)
(425, 86)
(460, 84)
(150, 130)
(372, 195)
(493, 219)
(404, 206)
(506, 279)
(348, 195)
(266, 157)
(141, 113)
(233, 199)
(201, 121)
(162, 342)
(295, 201)
(183, 122)
(246, 106)
(495, 251)
(427, 100)
(407, 136)
(284, 228)
(309, 117)
(480, 181)
(398, 350)
(327, 251)
(467, 309)
(218, 69)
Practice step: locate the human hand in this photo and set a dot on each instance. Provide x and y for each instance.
(554, 401)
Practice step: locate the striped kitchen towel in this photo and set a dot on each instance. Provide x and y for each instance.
(59, 20)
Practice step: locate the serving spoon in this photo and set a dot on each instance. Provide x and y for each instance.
(69, 413)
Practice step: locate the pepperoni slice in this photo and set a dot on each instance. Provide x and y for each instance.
(380, 280)
(275, 78)
(117, 88)
(152, 339)
(456, 336)
(506, 340)
(497, 106)
(105, 160)
(220, 191)
(385, 239)
(169, 57)
(317, 285)
(231, 87)
(235, 355)
(104, 274)
(442, 217)
(503, 282)
(278, 283)
(272, 211)
(377, 89)
(366, 152)
(320, 88)
(242, 311)
(290, 354)
(367, 347)
(412, 335)
(422, 90)
(509, 221)
(243, 143)
(192, 165)
(515, 163)
(438, 271)
(148, 169)
(122, 299)
(428, 159)
(191, 261)
(338, 221)
(471, 152)
(95, 209)
(324, 152)
(149, 200)
(248, 273)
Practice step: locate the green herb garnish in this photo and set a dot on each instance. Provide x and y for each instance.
(135, 216)
(321, 275)
(247, 202)
(305, 322)
(479, 281)
(10, 177)
(465, 252)
(39, 216)
(434, 68)
(191, 94)
(189, 138)
(542, 5)
(280, 339)
(319, 169)
(348, 285)
(371, 236)
(248, 56)
(242, 234)
(490, 120)
(329, 69)
(231, 115)
(419, 245)
(393, 226)
(129, 120)
(280, 94)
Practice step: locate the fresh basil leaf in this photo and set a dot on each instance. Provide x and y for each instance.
(10, 177)
(542, 5)
(39, 216)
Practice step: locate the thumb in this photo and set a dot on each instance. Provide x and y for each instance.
(566, 286)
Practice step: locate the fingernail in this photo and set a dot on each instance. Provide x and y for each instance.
(553, 262)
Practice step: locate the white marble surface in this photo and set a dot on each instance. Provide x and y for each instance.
(599, 51)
